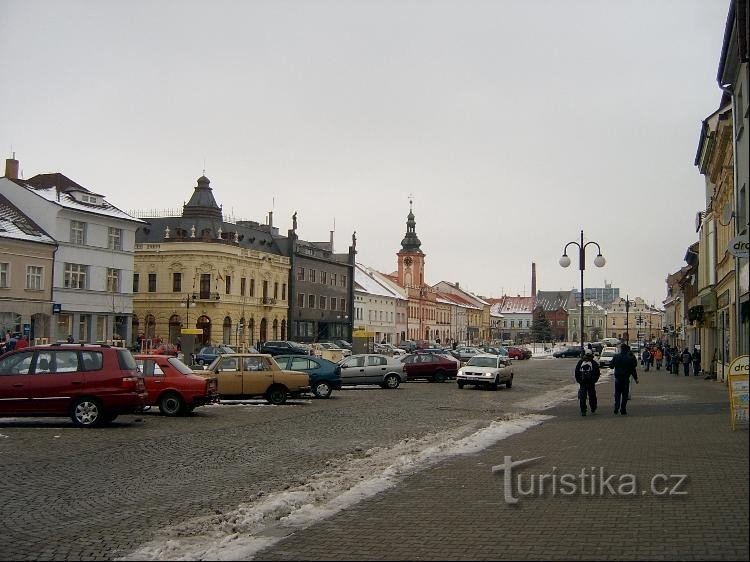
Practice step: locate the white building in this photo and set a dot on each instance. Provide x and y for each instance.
(378, 306)
(92, 284)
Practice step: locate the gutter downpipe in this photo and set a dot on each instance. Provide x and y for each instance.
(729, 90)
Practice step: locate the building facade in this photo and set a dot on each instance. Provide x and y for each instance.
(93, 266)
(196, 270)
(26, 266)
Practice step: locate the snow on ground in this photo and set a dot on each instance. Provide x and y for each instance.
(254, 526)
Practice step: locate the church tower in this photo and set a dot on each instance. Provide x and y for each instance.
(411, 257)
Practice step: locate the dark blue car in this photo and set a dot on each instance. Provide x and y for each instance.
(208, 353)
(325, 375)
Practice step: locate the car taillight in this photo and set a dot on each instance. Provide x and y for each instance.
(133, 383)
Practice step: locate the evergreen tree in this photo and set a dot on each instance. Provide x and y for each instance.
(540, 328)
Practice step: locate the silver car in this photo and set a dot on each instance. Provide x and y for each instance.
(371, 368)
(486, 370)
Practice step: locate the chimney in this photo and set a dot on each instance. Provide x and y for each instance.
(11, 168)
(533, 279)
(331, 231)
(270, 218)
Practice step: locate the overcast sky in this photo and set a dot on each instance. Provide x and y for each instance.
(513, 124)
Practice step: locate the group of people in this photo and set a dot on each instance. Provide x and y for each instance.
(587, 373)
(624, 365)
(672, 358)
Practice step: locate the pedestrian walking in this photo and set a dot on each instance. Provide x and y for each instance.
(686, 360)
(658, 357)
(646, 358)
(696, 362)
(624, 365)
(587, 373)
(675, 361)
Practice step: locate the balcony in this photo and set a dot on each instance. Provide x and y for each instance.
(208, 296)
(268, 301)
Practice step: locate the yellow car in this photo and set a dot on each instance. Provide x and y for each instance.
(249, 375)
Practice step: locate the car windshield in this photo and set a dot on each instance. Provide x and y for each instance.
(482, 362)
(180, 366)
(608, 354)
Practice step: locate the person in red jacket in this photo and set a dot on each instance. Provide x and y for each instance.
(22, 343)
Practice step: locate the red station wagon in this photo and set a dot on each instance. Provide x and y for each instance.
(173, 386)
(91, 383)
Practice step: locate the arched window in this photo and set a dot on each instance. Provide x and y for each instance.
(150, 329)
(263, 330)
(227, 331)
(204, 323)
(251, 331)
(283, 330)
(175, 324)
(275, 329)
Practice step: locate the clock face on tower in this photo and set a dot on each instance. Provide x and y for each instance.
(408, 261)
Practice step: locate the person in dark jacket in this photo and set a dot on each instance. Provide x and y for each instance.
(675, 361)
(587, 373)
(687, 359)
(696, 362)
(624, 366)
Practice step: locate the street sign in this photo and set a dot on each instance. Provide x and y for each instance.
(738, 391)
(56, 308)
(739, 246)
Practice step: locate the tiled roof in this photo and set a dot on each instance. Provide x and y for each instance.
(554, 300)
(14, 224)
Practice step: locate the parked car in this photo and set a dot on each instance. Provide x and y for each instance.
(91, 383)
(325, 375)
(430, 366)
(372, 368)
(330, 351)
(343, 344)
(284, 348)
(494, 350)
(390, 349)
(486, 369)
(605, 358)
(519, 352)
(173, 386)
(248, 375)
(209, 353)
(465, 353)
(408, 345)
(568, 352)
(442, 352)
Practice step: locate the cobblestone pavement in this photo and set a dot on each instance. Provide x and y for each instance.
(457, 511)
(76, 494)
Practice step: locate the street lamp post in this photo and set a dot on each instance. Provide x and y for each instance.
(627, 311)
(188, 302)
(599, 261)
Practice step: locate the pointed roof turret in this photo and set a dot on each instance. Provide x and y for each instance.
(202, 202)
(411, 242)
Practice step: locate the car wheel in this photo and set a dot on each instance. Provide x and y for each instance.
(391, 381)
(87, 412)
(494, 385)
(322, 390)
(276, 395)
(460, 384)
(171, 404)
(439, 377)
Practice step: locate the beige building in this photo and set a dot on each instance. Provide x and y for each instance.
(26, 259)
(637, 321)
(196, 270)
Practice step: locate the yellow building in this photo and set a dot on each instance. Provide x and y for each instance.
(195, 270)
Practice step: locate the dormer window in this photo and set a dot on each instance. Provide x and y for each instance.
(88, 198)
